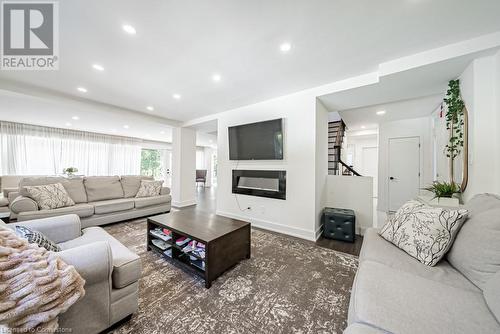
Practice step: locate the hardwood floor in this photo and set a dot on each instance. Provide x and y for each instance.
(206, 202)
(341, 246)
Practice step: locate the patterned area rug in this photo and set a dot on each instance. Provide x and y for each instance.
(288, 286)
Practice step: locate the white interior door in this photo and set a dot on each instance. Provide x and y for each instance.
(404, 170)
(369, 162)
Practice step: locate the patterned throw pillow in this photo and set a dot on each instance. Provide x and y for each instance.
(424, 232)
(149, 188)
(50, 196)
(38, 238)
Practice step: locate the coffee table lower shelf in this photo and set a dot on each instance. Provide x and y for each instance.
(221, 253)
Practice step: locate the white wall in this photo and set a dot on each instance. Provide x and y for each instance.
(358, 143)
(295, 215)
(440, 135)
(480, 87)
(208, 153)
(416, 127)
(355, 194)
(321, 162)
(497, 102)
(183, 167)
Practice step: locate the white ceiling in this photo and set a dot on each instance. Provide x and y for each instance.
(366, 118)
(61, 112)
(179, 45)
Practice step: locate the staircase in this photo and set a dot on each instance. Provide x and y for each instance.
(336, 166)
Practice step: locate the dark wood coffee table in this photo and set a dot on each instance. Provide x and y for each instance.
(227, 241)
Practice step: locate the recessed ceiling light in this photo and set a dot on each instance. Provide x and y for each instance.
(150, 108)
(82, 89)
(285, 47)
(216, 77)
(363, 127)
(126, 126)
(381, 112)
(129, 29)
(75, 118)
(162, 132)
(98, 67)
(68, 124)
(176, 96)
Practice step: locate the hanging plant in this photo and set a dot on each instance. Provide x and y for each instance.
(454, 119)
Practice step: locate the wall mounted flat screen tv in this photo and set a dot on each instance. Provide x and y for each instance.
(257, 141)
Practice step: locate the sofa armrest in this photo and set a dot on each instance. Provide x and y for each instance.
(93, 261)
(7, 191)
(23, 204)
(58, 228)
(4, 202)
(165, 191)
(13, 195)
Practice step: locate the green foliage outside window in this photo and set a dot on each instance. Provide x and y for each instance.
(151, 163)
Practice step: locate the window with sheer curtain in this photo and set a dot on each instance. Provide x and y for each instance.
(36, 150)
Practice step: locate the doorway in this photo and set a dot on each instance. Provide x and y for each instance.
(404, 170)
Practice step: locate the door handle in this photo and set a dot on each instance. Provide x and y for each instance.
(392, 178)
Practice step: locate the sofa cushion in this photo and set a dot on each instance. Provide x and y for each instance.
(76, 190)
(424, 232)
(491, 294)
(126, 264)
(149, 188)
(74, 186)
(100, 188)
(82, 210)
(149, 201)
(400, 302)
(377, 249)
(37, 181)
(131, 184)
(4, 201)
(481, 203)
(113, 205)
(476, 252)
(50, 196)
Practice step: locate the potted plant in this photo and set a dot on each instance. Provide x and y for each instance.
(70, 171)
(445, 193)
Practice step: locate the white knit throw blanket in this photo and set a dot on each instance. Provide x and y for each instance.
(35, 286)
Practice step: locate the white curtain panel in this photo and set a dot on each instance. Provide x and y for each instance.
(36, 150)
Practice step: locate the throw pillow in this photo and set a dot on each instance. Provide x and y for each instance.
(424, 232)
(50, 196)
(35, 237)
(149, 188)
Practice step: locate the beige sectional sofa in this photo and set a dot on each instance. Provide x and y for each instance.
(394, 293)
(98, 200)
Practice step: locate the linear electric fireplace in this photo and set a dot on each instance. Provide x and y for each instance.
(263, 183)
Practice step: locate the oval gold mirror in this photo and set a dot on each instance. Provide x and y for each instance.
(459, 165)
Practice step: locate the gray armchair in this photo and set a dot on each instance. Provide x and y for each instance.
(201, 176)
(111, 272)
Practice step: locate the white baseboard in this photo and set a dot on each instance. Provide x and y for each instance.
(319, 232)
(183, 204)
(266, 225)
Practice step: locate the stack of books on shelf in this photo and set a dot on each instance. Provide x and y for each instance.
(195, 250)
(162, 236)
